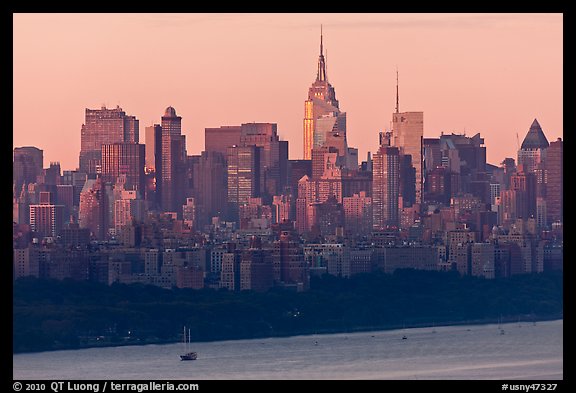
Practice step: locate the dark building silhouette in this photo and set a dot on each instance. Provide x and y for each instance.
(27, 166)
(554, 174)
(173, 163)
(220, 139)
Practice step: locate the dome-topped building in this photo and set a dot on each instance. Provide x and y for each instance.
(170, 112)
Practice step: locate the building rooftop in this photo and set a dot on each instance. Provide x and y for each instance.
(535, 138)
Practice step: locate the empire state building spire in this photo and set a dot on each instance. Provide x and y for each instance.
(321, 75)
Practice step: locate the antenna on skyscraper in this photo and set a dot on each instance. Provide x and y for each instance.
(326, 62)
(321, 39)
(397, 100)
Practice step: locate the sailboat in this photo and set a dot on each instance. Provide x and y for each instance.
(502, 332)
(188, 355)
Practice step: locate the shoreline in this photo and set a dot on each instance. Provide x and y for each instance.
(475, 322)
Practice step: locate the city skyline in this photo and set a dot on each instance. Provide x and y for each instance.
(492, 86)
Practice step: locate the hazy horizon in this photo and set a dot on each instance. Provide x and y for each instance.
(486, 73)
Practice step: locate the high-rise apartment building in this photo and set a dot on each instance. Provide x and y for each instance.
(104, 126)
(46, 219)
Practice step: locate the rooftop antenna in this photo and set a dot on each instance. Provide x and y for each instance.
(397, 100)
(517, 142)
(320, 39)
(326, 62)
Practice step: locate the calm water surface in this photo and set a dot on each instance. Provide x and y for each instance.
(525, 351)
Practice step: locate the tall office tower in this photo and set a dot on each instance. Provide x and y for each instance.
(212, 195)
(243, 176)
(124, 159)
(407, 136)
(93, 212)
(554, 176)
(220, 139)
(408, 131)
(265, 136)
(103, 126)
(525, 182)
(173, 163)
(533, 149)
(28, 164)
(323, 121)
(432, 154)
(385, 187)
(153, 142)
(407, 184)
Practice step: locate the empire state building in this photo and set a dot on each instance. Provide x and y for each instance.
(324, 124)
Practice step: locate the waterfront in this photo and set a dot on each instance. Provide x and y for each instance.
(525, 351)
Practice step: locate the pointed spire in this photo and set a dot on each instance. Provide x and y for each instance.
(535, 138)
(321, 41)
(397, 99)
(321, 75)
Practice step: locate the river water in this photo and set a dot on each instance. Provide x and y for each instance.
(525, 351)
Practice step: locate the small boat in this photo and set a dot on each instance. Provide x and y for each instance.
(188, 355)
(404, 337)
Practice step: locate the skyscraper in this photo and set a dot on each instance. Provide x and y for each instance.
(212, 195)
(104, 126)
(323, 121)
(243, 176)
(153, 147)
(554, 174)
(173, 162)
(385, 187)
(220, 139)
(408, 131)
(265, 136)
(533, 149)
(28, 164)
(124, 159)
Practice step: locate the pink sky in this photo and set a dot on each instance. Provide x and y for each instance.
(487, 73)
